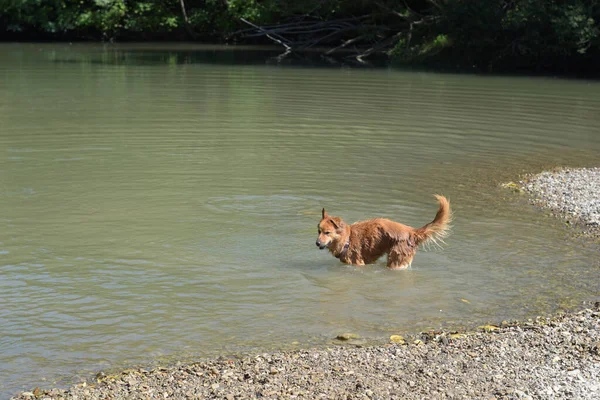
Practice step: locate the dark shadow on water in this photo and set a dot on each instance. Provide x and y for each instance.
(177, 54)
(216, 55)
(184, 53)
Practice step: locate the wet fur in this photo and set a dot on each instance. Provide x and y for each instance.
(364, 242)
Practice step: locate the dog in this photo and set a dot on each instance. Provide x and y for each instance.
(366, 241)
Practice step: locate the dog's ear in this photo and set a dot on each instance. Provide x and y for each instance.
(337, 223)
(324, 213)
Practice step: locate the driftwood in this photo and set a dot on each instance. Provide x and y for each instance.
(331, 36)
(303, 34)
(273, 35)
(383, 44)
(345, 44)
(359, 37)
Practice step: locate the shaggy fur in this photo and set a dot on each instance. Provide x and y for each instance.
(364, 242)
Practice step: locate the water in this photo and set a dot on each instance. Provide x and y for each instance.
(162, 203)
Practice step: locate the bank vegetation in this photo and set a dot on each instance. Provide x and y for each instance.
(492, 35)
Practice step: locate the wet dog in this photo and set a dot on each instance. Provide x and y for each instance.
(364, 242)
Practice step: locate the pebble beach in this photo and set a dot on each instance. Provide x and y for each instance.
(556, 358)
(572, 194)
(542, 358)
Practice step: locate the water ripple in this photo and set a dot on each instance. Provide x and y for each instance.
(157, 210)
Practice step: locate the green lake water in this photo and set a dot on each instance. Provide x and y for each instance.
(161, 202)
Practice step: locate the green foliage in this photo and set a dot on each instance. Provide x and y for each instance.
(404, 52)
(88, 18)
(151, 16)
(485, 33)
(551, 26)
(121, 18)
(490, 34)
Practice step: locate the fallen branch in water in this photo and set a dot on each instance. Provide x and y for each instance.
(345, 44)
(379, 46)
(270, 36)
(303, 34)
(366, 34)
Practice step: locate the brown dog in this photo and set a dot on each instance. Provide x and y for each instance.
(364, 242)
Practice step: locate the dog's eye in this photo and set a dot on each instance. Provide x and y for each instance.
(327, 233)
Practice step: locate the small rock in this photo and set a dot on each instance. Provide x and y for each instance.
(397, 339)
(457, 336)
(488, 328)
(347, 336)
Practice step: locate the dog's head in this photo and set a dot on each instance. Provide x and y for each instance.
(330, 230)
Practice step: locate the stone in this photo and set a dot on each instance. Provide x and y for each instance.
(397, 339)
(347, 336)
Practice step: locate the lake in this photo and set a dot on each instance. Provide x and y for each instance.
(161, 201)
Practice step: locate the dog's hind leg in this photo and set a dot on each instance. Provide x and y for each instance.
(399, 258)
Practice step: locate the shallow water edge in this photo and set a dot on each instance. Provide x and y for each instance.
(569, 193)
(570, 340)
(558, 356)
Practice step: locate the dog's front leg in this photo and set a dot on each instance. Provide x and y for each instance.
(353, 261)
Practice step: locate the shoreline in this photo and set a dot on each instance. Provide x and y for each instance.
(549, 357)
(556, 357)
(571, 194)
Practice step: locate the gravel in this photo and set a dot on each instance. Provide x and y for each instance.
(545, 358)
(570, 193)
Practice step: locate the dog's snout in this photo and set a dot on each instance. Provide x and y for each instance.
(320, 244)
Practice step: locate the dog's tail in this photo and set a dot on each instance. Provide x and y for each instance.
(435, 231)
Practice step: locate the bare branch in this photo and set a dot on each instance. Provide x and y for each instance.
(410, 10)
(321, 39)
(378, 46)
(396, 13)
(346, 43)
(436, 4)
(186, 22)
(409, 36)
(269, 35)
